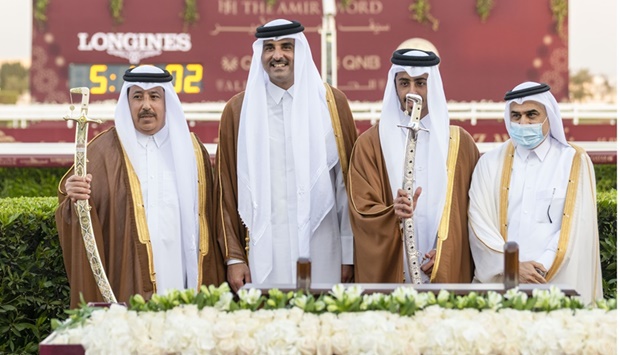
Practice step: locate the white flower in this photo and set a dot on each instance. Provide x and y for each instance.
(326, 323)
(309, 325)
(295, 315)
(340, 343)
(300, 300)
(401, 294)
(263, 316)
(186, 330)
(443, 296)
(421, 299)
(227, 346)
(372, 300)
(223, 304)
(247, 346)
(250, 296)
(514, 294)
(307, 345)
(324, 345)
(225, 329)
(495, 300)
(281, 314)
(338, 291)
(354, 292)
(278, 337)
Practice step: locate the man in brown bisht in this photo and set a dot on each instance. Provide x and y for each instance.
(284, 146)
(445, 157)
(150, 188)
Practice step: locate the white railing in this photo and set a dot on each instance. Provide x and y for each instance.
(23, 115)
(67, 149)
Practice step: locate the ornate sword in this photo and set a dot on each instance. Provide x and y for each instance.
(408, 177)
(82, 206)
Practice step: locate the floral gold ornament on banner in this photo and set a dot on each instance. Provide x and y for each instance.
(190, 13)
(40, 12)
(116, 8)
(421, 12)
(559, 8)
(483, 8)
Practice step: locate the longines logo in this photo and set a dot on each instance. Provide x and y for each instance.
(134, 46)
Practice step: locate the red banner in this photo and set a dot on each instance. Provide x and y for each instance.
(80, 44)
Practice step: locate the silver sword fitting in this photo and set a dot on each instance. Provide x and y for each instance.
(409, 237)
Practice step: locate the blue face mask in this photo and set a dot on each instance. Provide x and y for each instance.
(529, 136)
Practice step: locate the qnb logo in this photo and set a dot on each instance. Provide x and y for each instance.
(134, 46)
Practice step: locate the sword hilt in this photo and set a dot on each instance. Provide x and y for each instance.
(83, 118)
(414, 122)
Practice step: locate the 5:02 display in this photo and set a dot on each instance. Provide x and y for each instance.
(108, 78)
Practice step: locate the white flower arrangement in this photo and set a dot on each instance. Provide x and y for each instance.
(344, 322)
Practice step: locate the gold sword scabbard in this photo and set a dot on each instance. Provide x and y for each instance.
(82, 206)
(409, 237)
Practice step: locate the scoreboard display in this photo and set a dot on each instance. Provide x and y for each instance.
(80, 44)
(105, 79)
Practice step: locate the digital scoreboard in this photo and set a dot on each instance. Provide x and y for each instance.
(108, 78)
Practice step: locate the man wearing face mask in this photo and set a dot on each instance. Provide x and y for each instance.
(538, 190)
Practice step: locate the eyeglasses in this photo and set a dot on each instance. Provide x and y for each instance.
(549, 208)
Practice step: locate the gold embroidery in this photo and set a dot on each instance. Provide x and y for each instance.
(569, 208)
(444, 225)
(333, 113)
(203, 223)
(504, 188)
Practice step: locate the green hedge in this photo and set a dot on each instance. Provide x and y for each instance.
(35, 182)
(34, 287)
(608, 230)
(606, 177)
(30, 182)
(33, 283)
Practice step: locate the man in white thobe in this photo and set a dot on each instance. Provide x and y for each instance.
(281, 188)
(538, 190)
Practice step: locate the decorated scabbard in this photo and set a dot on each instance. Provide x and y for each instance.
(411, 249)
(82, 206)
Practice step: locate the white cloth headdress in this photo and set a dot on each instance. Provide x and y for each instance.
(556, 127)
(314, 152)
(182, 150)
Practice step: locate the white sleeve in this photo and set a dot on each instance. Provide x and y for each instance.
(486, 242)
(342, 205)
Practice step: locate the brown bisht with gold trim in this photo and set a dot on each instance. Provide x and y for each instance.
(376, 229)
(119, 223)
